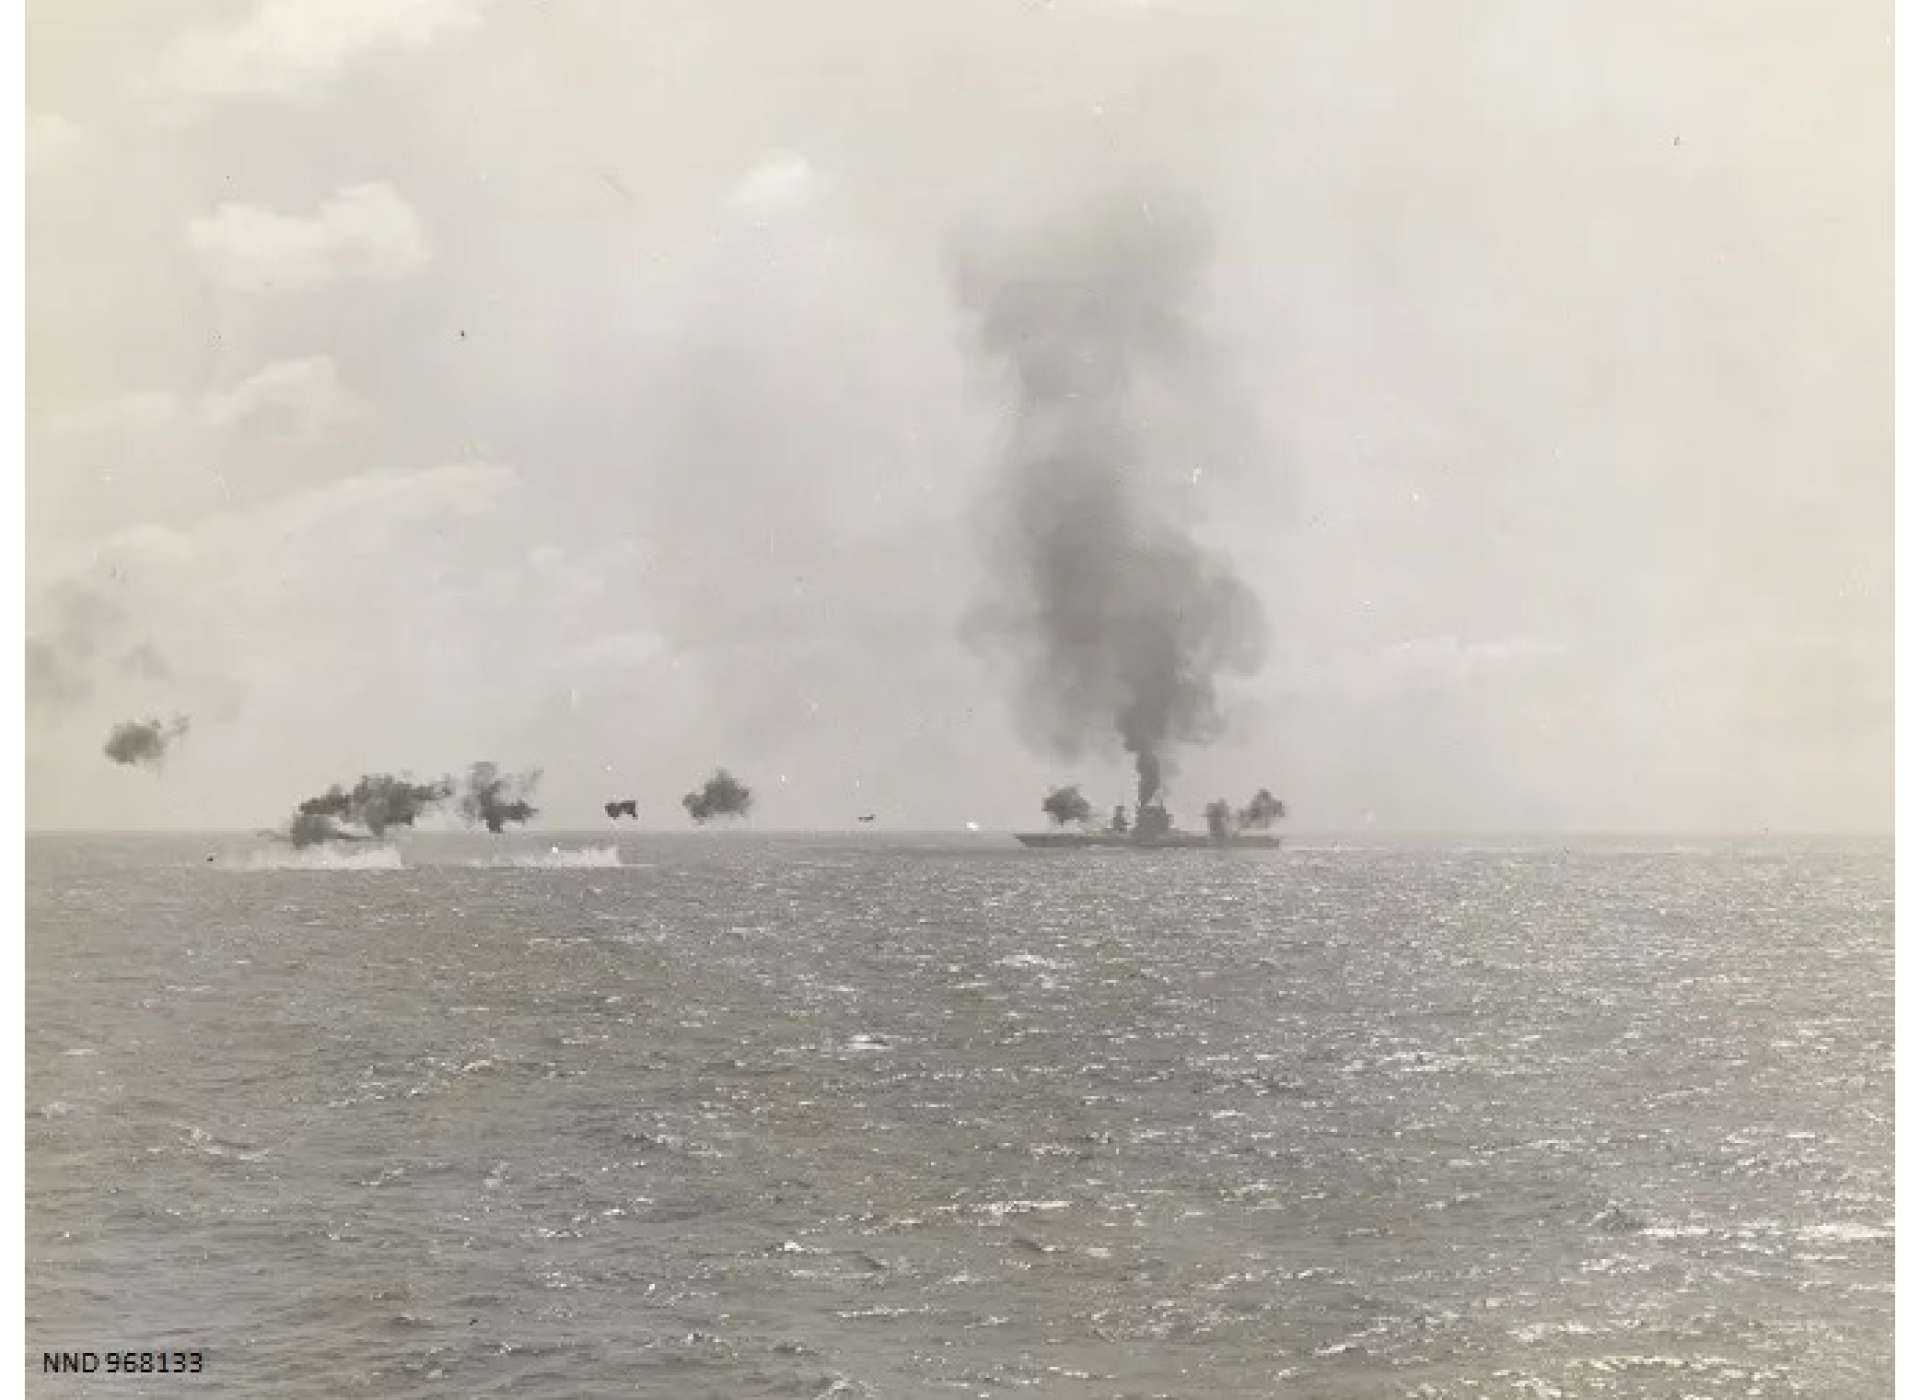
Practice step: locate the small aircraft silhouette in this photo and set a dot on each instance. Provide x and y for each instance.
(867, 818)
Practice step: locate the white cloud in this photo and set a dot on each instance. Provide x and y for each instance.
(307, 396)
(167, 457)
(52, 141)
(613, 653)
(197, 616)
(285, 48)
(778, 182)
(365, 509)
(144, 410)
(302, 397)
(361, 232)
(1421, 663)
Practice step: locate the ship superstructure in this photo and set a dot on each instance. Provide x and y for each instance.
(1151, 828)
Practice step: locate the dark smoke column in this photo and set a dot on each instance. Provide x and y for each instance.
(497, 800)
(1066, 804)
(143, 741)
(723, 796)
(1116, 619)
(378, 802)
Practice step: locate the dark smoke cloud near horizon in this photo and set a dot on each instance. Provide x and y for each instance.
(722, 796)
(375, 804)
(1261, 812)
(144, 742)
(381, 802)
(1064, 805)
(1120, 623)
(498, 800)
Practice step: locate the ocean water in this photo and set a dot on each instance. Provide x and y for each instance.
(759, 1116)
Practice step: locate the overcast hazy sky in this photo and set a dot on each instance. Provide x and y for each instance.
(582, 385)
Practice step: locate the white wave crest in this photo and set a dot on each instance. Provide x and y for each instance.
(582, 858)
(1846, 1232)
(318, 858)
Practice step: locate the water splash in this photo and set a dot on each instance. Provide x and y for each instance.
(556, 858)
(316, 858)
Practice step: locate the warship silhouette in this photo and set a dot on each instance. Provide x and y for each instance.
(1151, 829)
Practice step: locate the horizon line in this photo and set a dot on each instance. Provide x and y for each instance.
(870, 830)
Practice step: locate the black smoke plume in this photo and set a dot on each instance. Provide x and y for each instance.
(315, 829)
(723, 796)
(1262, 812)
(379, 802)
(498, 800)
(1117, 619)
(372, 806)
(143, 741)
(1219, 819)
(623, 807)
(1066, 804)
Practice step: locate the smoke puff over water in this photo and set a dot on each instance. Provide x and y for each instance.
(1117, 619)
(317, 857)
(1261, 812)
(497, 800)
(723, 796)
(623, 807)
(382, 801)
(1066, 804)
(374, 804)
(143, 741)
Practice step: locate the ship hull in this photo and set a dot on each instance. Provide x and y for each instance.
(1081, 840)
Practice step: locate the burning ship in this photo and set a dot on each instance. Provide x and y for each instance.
(1153, 829)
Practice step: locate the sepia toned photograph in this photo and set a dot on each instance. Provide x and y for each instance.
(1102, 699)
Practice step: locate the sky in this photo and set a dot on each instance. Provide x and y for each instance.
(583, 386)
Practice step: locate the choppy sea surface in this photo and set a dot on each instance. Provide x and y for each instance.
(840, 1117)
